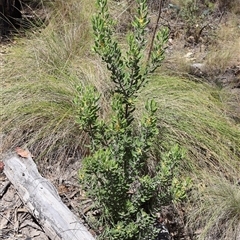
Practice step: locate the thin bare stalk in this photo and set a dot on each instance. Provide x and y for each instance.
(155, 29)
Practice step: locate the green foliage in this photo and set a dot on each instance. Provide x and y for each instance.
(172, 186)
(195, 14)
(117, 175)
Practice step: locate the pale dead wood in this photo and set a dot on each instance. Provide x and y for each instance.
(4, 188)
(42, 200)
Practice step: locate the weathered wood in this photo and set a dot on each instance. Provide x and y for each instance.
(43, 201)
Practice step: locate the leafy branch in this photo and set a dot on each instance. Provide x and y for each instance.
(116, 176)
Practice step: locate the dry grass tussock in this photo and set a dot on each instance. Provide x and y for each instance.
(216, 209)
(39, 84)
(194, 115)
(65, 37)
(225, 52)
(218, 47)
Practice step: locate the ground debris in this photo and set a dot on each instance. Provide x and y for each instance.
(31, 208)
(16, 223)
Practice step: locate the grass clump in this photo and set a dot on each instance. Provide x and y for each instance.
(39, 113)
(194, 115)
(39, 85)
(66, 37)
(217, 210)
(224, 52)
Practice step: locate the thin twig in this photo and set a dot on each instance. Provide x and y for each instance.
(155, 29)
(4, 188)
(7, 219)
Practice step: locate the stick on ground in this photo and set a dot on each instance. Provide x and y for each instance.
(42, 200)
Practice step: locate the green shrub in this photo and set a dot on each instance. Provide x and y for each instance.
(117, 175)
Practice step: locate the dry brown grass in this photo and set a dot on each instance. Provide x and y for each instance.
(215, 213)
(218, 46)
(230, 5)
(225, 52)
(39, 79)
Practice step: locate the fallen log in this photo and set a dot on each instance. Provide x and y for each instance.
(42, 200)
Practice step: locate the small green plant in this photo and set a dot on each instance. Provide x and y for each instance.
(195, 15)
(172, 185)
(117, 175)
